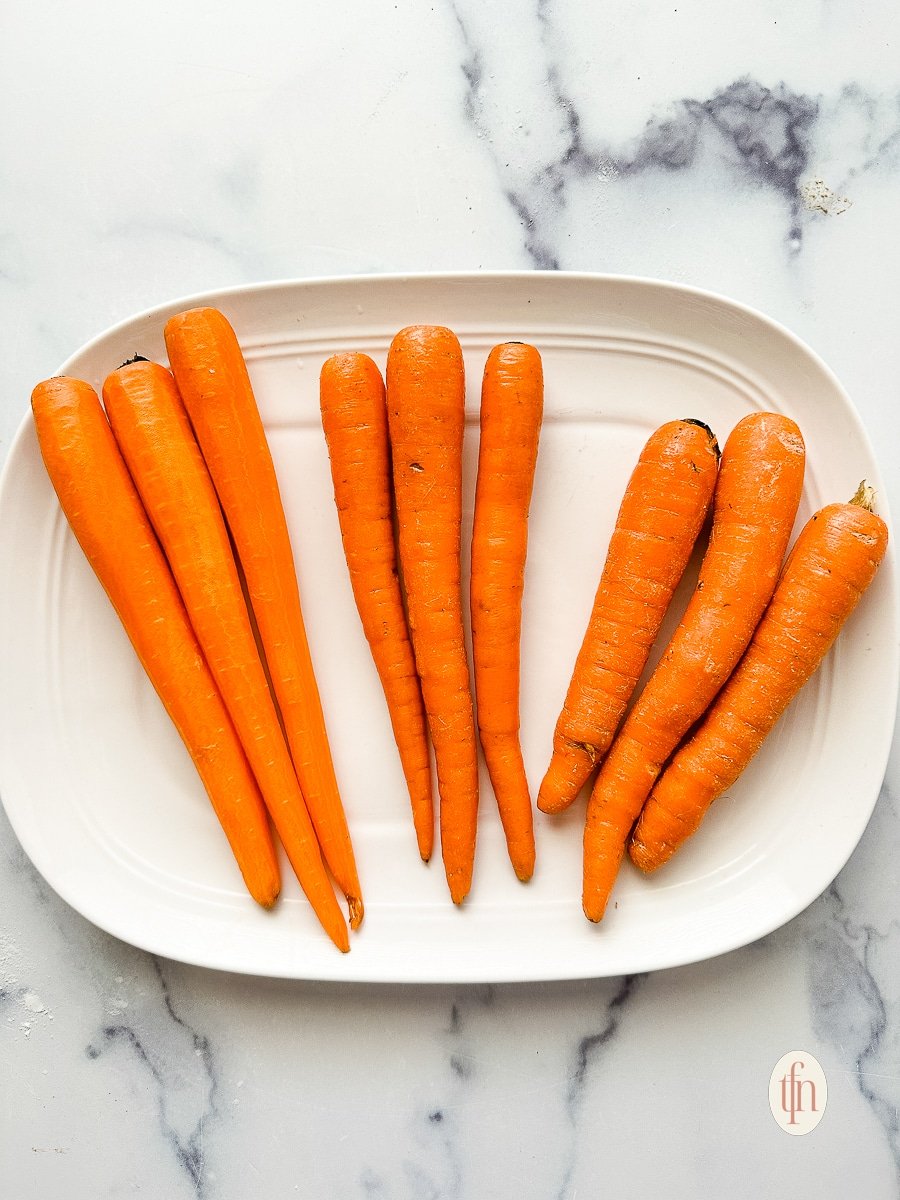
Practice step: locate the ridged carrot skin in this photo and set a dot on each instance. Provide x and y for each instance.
(833, 561)
(658, 523)
(512, 405)
(426, 418)
(754, 507)
(106, 515)
(212, 377)
(152, 429)
(354, 418)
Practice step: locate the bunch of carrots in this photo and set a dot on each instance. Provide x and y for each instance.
(170, 489)
(396, 451)
(751, 635)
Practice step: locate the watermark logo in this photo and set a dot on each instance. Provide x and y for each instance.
(798, 1092)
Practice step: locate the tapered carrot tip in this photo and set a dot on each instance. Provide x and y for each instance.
(357, 911)
(593, 906)
(524, 865)
(459, 889)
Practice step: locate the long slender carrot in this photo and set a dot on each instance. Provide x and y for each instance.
(98, 497)
(512, 404)
(152, 429)
(660, 519)
(212, 377)
(354, 417)
(755, 503)
(832, 563)
(426, 416)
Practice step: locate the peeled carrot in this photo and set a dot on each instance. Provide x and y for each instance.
(426, 417)
(832, 563)
(152, 429)
(512, 403)
(754, 507)
(354, 417)
(105, 513)
(212, 377)
(660, 519)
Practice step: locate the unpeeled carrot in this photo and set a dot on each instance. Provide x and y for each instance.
(833, 561)
(659, 520)
(213, 380)
(512, 403)
(106, 515)
(754, 507)
(426, 417)
(152, 429)
(354, 417)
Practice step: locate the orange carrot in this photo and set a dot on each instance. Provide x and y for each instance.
(426, 416)
(755, 503)
(101, 505)
(659, 521)
(832, 563)
(512, 402)
(159, 448)
(213, 380)
(354, 417)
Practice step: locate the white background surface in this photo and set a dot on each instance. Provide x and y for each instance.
(154, 151)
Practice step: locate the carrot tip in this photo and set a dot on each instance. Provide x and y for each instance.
(642, 859)
(357, 911)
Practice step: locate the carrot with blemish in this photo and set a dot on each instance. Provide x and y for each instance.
(833, 561)
(152, 429)
(213, 380)
(426, 418)
(99, 500)
(354, 417)
(660, 518)
(754, 507)
(512, 402)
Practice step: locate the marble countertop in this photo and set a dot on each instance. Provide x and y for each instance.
(151, 151)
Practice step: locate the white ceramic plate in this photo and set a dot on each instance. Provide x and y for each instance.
(104, 798)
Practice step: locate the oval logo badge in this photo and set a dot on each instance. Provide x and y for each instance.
(798, 1092)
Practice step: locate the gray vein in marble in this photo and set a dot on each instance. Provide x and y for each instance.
(764, 135)
(586, 1054)
(437, 1126)
(849, 1009)
(184, 1136)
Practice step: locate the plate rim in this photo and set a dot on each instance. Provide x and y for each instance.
(660, 960)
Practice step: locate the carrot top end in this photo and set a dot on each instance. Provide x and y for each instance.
(864, 497)
(357, 911)
(703, 425)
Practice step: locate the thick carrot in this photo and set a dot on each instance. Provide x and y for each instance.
(161, 452)
(354, 417)
(99, 500)
(832, 563)
(426, 417)
(512, 404)
(754, 507)
(660, 519)
(213, 380)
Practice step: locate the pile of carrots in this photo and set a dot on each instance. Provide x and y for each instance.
(170, 489)
(396, 451)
